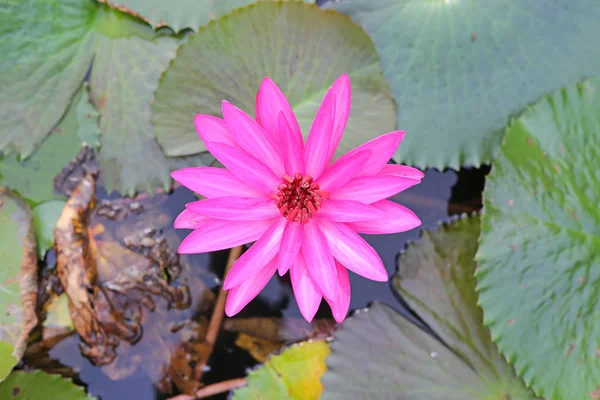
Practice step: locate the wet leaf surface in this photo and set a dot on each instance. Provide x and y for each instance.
(292, 375)
(461, 69)
(228, 59)
(539, 274)
(38, 385)
(435, 276)
(18, 279)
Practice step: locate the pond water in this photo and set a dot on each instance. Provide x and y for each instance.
(437, 198)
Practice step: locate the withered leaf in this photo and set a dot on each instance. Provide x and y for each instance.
(258, 348)
(286, 330)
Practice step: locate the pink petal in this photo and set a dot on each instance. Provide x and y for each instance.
(319, 260)
(352, 251)
(213, 130)
(270, 102)
(401, 170)
(343, 99)
(259, 254)
(348, 211)
(398, 219)
(213, 182)
(382, 149)
(218, 235)
(235, 208)
(316, 150)
(342, 170)
(247, 168)
(290, 149)
(369, 189)
(239, 296)
(290, 246)
(306, 292)
(340, 306)
(188, 220)
(253, 138)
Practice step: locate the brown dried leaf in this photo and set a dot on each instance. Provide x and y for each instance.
(286, 330)
(258, 348)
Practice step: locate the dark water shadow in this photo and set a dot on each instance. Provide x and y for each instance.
(436, 199)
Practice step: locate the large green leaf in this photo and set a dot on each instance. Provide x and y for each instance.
(302, 48)
(180, 14)
(19, 268)
(33, 177)
(292, 375)
(37, 385)
(435, 276)
(460, 68)
(129, 60)
(41, 72)
(539, 274)
(46, 48)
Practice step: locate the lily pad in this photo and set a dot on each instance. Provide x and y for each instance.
(46, 47)
(435, 276)
(179, 14)
(301, 47)
(460, 69)
(18, 280)
(292, 375)
(37, 385)
(129, 57)
(45, 216)
(33, 177)
(539, 274)
(129, 60)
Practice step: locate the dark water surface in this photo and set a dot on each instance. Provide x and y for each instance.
(436, 199)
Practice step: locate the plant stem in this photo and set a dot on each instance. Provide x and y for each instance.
(220, 387)
(211, 337)
(217, 316)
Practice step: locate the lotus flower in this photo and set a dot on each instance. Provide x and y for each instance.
(304, 211)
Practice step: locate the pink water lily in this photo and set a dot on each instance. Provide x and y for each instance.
(304, 211)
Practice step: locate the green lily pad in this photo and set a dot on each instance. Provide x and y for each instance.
(129, 56)
(45, 216)
(18, 280)
(539, 274)
(33, 177)
(301, 47)
(131, 51)
(292, 375)
(180, 14)
(46, 47)
(459, 69)
(37, 385)
(435, 276)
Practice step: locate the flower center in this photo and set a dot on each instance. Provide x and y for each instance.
(299, 198)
